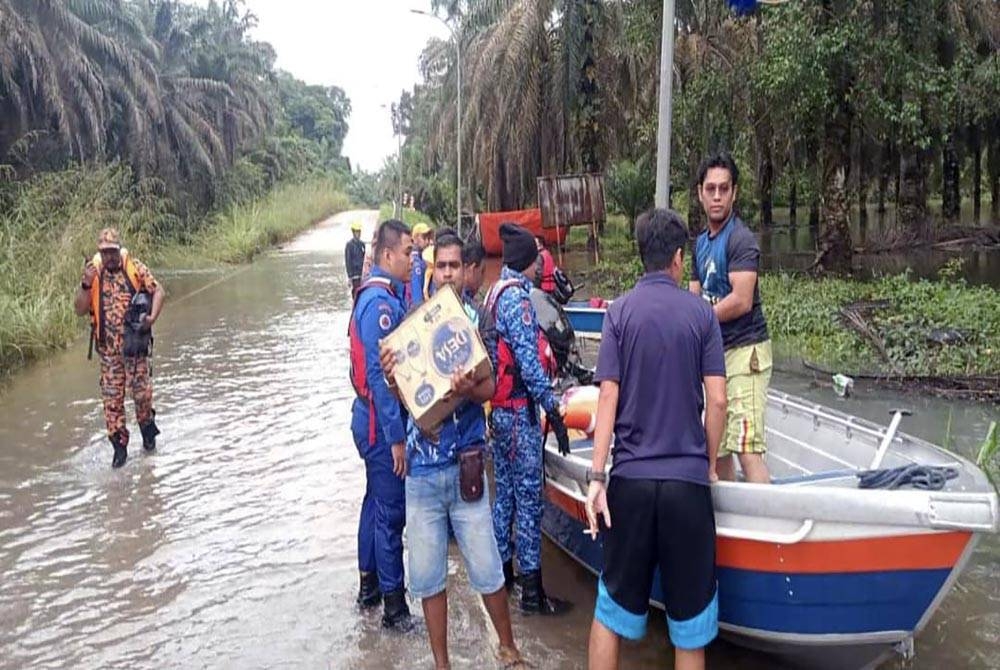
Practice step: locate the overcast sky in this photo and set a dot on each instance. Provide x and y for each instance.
(367, 47)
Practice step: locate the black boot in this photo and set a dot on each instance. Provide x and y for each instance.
(120, 442)
(149, 433)
(395, 613)
(534, 600)
(508, 576)
(369, 594)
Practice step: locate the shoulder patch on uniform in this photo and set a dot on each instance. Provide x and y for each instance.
(526, 311)
(384, 321)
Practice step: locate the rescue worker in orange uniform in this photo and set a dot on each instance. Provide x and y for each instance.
(119, 293)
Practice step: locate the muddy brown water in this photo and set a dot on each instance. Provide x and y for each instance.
(234, 545)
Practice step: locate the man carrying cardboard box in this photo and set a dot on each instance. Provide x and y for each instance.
(522, 384)
(446, 485)
(378, 426)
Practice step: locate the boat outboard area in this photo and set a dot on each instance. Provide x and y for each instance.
(813, 568)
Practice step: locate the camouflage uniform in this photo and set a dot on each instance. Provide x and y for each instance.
(119, 372)
(517, 436)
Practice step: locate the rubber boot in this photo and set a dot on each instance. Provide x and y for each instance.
(120, 442)
(508, 576)
(534, 600)
(149, 433)
(369, 594)
(395, 612)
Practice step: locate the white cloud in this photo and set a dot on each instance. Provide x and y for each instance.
(367, 47)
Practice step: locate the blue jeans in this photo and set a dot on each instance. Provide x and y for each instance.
(432, 499)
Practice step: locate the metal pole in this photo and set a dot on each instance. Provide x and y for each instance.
(458, 140)
(399, 161)
(666, 84)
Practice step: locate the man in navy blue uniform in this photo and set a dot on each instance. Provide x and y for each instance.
(660, 346)
(378, 424)
(517, 436)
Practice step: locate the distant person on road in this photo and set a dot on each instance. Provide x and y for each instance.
(124, 301)
(418, 266)
(445, 487)
(378, 425)
(724, 272)
(354, 257)
(659, 347)
(522, 384)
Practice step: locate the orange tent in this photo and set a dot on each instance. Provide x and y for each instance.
(489, 228)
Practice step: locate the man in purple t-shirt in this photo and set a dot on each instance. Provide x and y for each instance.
(660, 346)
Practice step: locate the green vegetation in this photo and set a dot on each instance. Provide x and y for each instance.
(901, 319)
(411, 217)
(48, 226)
(243, 231)
(825, 105)
(162, 118)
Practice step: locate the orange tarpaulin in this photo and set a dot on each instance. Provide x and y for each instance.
(489, 228)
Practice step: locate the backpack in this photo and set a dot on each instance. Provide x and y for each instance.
(564, 288)
(508, 379)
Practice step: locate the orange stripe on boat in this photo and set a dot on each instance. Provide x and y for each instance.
(925, 551)
(568, 504)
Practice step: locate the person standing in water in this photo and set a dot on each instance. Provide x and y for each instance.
(378, 425)
(113, 285)
(446, 488)
(354, 257)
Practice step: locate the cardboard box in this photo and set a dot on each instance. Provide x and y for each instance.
(434, 340)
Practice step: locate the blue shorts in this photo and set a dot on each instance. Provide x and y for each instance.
(432, 499)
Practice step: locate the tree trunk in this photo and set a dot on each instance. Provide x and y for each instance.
(976, 144)
(951, 199)
(913, 212)
(793, 200)
(765, 181)
(862, 181)
(696, 214)
(836, 251)
(884, 163)
(993, 170)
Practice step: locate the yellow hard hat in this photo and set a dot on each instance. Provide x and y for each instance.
(356, 225)
(421, 229)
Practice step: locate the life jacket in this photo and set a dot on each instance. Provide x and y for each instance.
(359, 368)
(96, 297)
(508, 381)
(552, 279)
(547, 280)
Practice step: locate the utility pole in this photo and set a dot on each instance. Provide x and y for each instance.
(665, 108)
(397, 121)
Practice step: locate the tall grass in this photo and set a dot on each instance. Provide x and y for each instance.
(49, 225)
(243, 231)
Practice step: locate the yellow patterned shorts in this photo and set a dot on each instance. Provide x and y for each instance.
(748, 374)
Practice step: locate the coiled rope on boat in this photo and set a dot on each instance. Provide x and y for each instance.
(924, 477)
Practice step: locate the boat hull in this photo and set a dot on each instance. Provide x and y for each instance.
(836, 603)
(586, 321)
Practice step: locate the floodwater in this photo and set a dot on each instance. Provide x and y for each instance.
(233, 546)
(792, 246)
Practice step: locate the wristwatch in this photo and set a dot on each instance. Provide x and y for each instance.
(596, 476)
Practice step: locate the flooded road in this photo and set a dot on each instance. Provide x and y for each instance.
(233, 546)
